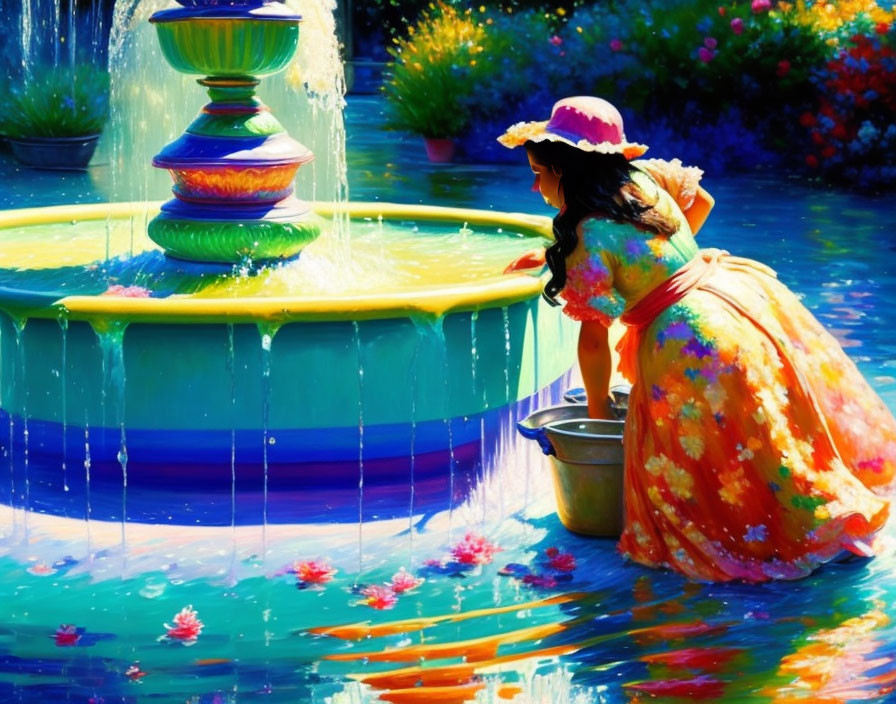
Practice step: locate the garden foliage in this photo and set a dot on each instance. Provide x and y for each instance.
(56, 101)
(727, 84)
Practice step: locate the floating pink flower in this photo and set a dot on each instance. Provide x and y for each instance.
(187, 626)
(377, 597)
(615, 45)
(313, 571)
(67, 635)
(403, 581)
(127, 291)
(560, 561)
(41, 570)
(555, 40)
(134, 673)
(539, 581)
(474, 550)
(710, 43)
(760, 6)
(705, 55)
(737, 25)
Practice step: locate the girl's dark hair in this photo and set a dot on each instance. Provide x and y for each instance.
(593, 183)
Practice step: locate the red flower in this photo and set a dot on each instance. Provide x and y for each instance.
(379, 597)
(812, 161)
(783, 68)
(829, 151)
(722, 11)
(807, 119)
(555, 40)
(561, 561)
(66, 635)
(134, 673)
(403, 581)
(187, 626)
(539, 581)
(882, 28)
(817, 137)
(313, 571)
(474, 550)
(615, 45)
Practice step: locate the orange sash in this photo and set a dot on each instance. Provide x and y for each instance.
(639, 317)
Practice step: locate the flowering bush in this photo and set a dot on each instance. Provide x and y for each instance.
(433, 70)
(853, 130)
(732, 85)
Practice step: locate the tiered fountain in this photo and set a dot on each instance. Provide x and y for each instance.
(234, 168)
(161, 368)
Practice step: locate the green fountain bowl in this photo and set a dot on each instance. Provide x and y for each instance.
(227, 46)
(233, 240)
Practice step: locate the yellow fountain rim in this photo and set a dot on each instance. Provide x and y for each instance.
(510, 289)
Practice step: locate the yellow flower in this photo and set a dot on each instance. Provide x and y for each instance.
(693, 445)
(733, 486)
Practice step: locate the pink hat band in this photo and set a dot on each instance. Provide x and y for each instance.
(574, 125)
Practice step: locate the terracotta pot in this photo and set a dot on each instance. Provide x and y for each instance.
(57, 153)
(440, 150)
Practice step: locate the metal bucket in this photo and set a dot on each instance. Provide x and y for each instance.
(587, 463)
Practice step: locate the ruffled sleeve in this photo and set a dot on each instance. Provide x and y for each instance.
(677, 180)
(589, 292)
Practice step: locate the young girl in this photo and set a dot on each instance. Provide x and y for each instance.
(752, 442)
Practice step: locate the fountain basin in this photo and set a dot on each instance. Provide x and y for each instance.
(310, 377)
(228, 40)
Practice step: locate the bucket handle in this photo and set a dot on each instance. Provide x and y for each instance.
(539, 435)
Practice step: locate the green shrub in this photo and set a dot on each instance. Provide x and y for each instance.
(432, 72)
(57, 101)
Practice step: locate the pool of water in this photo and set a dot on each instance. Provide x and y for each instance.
(378, 256)
(605, 631)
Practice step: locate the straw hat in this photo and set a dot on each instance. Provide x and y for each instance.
(584, 122)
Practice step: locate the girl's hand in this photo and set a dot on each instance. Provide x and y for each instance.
(530, 260)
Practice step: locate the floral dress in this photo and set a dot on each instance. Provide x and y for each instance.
(753, 443)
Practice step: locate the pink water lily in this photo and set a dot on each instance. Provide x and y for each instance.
(710, 43)
(377, 597)
(616, 45)
(705, 55)
(134, 673)
(474, 550)
(127, 291)
(737, 25)
(403, 581)
(313, 571)
(539, 581)
(41, 570)
(759, 6)
(187, 626)
(555, 40)
(560, 561)
(67, 635)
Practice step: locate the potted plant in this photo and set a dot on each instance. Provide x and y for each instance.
(432, 70)
(53, 120)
